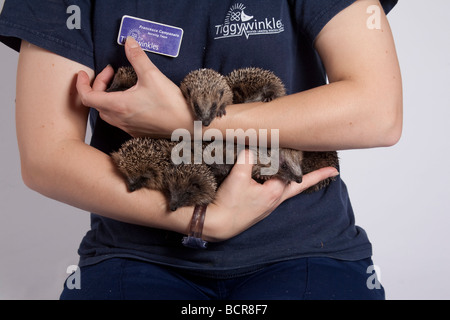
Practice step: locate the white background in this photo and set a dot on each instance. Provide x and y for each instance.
(400, 195)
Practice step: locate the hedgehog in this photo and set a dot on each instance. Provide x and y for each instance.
(258, 85)
(254, 85)
(187, 185)
(289, 164)
(207, 93)
(294, 164)
(143, 162)
(124, 78)
(147, 163)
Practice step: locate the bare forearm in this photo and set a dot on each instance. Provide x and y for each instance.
(83, 177)
(341, 115)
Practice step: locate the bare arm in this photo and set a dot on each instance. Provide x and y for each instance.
(55, 161)
(360, 108)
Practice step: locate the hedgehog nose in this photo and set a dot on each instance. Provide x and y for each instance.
(206, 123)
(132, 187)
(299, 179)
(173, 207)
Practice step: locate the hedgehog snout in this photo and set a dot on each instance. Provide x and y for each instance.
(177, 199)
(206, 118)
(201, 115)
(299, 179)
(173, 202)
(206, 122)
(173, 207)
(289, 172)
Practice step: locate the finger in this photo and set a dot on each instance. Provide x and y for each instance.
(91, 98)
(309, 180)
(101, 82)
(138, 58)
(243, 167)
(245, 160)
(83, 86)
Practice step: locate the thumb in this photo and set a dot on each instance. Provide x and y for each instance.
(137, 57)
(244, 164)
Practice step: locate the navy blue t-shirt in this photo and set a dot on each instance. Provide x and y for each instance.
(222, 35)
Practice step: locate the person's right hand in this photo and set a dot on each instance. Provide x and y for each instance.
(241, 202)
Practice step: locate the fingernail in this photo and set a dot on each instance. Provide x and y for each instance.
(132, 43)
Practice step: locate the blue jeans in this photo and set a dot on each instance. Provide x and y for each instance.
(299, 279)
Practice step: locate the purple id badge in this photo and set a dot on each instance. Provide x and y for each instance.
(151, 36)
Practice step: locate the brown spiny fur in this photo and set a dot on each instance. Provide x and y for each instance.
(124, 78)
(143, 162)
(289, 166)
(255, 85)
(147, 163)
(289, 162)
(207, 93)
(258, 85)
(188, 185)
(315, 160)
(218, 163)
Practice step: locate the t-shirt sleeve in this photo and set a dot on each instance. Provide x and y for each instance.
(313, 15)
(60, 26)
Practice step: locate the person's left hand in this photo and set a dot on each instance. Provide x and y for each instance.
(153, 107)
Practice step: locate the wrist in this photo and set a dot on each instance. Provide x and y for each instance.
(216, 226)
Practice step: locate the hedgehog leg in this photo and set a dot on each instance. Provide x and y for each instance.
(222, 111)
(268, 95)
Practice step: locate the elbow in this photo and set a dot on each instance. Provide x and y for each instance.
(29, 176)
(389, 137)
(393, 135)
(33, 173)
(384, 116)
(390, 122)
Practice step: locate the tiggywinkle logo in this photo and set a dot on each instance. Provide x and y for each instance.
(238, 23)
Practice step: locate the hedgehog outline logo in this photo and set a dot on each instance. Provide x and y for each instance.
(238, 23)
